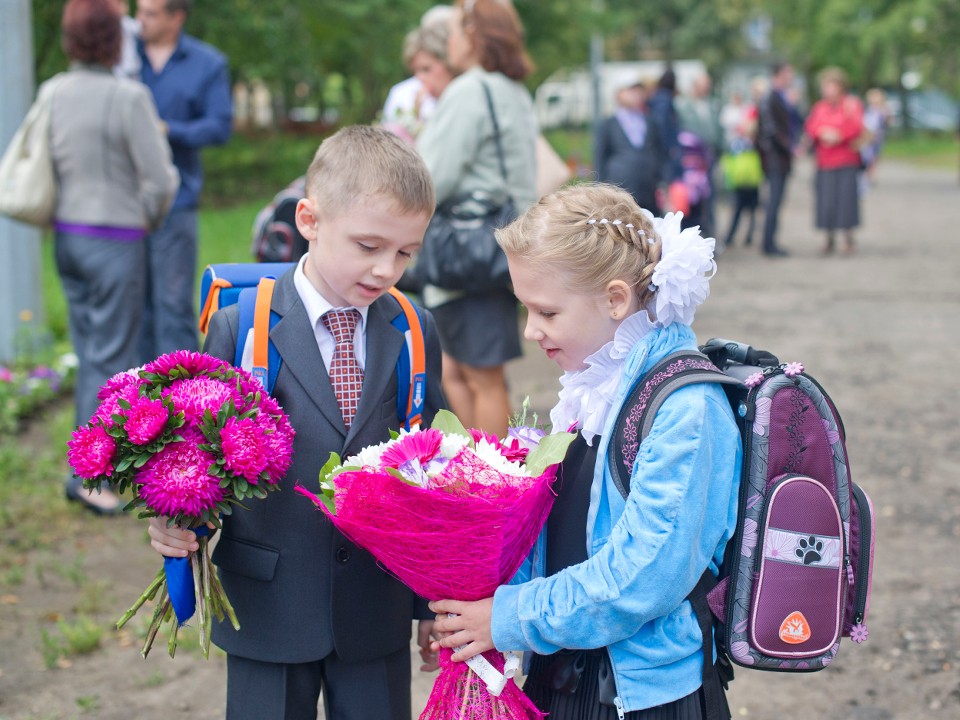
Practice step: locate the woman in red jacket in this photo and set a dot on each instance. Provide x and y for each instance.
(834, 127)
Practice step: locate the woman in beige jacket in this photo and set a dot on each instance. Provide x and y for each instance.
(479, 333)
(116, 182)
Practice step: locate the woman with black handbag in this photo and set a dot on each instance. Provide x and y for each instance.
(480, 147)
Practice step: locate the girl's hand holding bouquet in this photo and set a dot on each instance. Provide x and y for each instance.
(452, 513)
(190, 437)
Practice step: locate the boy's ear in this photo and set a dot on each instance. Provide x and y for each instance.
(620, 299)
(307, 219)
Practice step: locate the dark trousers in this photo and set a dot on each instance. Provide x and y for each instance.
(776, 187)
(103, 283)
(351, 691)
(169, 314)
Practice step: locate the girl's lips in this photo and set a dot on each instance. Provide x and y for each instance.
(552, 352)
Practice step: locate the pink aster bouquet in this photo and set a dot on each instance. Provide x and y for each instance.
(452, 513)
(191, 437)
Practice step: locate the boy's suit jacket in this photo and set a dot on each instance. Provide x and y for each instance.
(299, 587)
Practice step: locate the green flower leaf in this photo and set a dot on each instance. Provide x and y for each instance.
(326, 472)
(449, 424)
(550, 451)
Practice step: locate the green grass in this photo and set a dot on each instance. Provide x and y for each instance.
(253, 166)
(940, 150)
(32, 508)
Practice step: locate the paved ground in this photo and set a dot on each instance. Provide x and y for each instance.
(878, 329)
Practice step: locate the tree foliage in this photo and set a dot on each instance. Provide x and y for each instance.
(348, 52)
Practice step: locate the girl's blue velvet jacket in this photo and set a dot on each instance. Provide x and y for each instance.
(645, 554)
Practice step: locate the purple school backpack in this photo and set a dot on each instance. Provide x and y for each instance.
(796, 575)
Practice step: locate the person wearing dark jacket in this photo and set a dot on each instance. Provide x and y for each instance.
(628, 149)
(775, 143)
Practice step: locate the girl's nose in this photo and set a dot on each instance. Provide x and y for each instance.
(531, 332)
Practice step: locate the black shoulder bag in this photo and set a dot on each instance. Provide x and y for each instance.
(460, 251)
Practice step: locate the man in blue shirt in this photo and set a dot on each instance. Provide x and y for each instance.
(191, 88)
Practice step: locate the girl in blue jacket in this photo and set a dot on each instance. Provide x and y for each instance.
(601, 602)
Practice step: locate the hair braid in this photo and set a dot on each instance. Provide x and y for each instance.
(593, 233)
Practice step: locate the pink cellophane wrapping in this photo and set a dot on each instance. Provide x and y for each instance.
(459, 541)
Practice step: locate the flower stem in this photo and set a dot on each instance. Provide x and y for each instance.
(222, 600)
(207, 593)
(172, 642)
(199, 598)
(148, 594)
(162, 606)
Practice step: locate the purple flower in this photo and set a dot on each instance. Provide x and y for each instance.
(194, 363)
(117, 384)
(5, 374)
(859, 633)
(753, 380)
(175, 480)
(791, 370)
(193, 395)
(145, 420)
(528, 437)
(110, 405)
(244, 448)
(91, 452)
(279, 442)
(42, 372)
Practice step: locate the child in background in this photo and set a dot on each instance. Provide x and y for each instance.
(315, 611)
(610, 292)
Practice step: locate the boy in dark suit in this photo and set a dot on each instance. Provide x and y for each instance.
(316, 612)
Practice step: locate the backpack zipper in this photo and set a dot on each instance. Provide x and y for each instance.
(863, 558)
(745, 414)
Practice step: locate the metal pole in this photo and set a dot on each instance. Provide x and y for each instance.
(596, 60)
(20, 298)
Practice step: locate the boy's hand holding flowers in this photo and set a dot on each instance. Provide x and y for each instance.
(190, 437)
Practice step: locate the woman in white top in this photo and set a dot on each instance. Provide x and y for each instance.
(479, 333)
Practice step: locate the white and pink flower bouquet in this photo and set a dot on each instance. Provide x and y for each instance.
(190, 437)
(452, 513)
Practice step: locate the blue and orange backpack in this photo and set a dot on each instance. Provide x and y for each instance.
(250, 287)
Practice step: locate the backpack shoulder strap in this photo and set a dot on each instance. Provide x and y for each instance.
(637, 414)
(255, 321)
(412, 364)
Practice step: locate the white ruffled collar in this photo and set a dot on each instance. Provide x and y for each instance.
(588, 394)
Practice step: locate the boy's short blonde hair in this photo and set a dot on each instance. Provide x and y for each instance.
(583, 232)
(362, 161)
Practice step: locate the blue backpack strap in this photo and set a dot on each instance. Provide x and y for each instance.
(411, 370)
(246, 307)
(633, 424)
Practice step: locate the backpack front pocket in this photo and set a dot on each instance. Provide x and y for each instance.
(798, 602)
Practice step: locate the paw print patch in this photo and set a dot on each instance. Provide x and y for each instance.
(810, 550)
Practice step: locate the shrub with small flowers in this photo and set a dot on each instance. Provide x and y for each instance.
(25, 389)
(191, 437)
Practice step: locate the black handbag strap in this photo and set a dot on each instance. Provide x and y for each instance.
(496, 132)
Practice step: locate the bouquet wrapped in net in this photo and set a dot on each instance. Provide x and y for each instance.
(452, 513)
(190, 437)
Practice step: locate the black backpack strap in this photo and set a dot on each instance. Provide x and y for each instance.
(633, 425)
